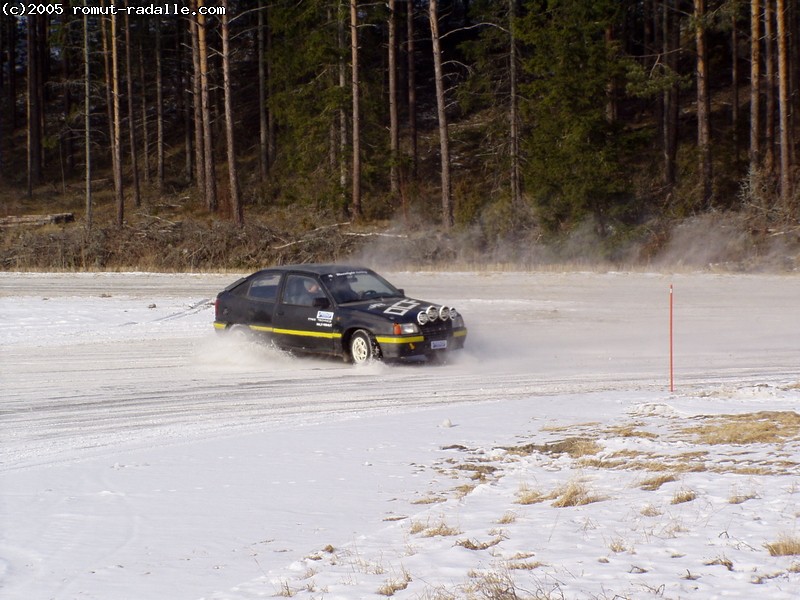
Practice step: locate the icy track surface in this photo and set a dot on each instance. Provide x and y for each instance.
(144, 457)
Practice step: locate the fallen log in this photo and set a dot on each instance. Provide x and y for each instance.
(36, 220)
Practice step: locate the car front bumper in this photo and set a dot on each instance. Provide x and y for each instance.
(421, 345)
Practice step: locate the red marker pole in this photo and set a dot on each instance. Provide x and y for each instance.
(671, 352)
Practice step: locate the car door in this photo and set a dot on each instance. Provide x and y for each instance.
(262, 296)
(303, 318)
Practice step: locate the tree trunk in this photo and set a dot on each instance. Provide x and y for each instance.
(735, 82)
(199, 145)
(263, 130)
(109, 87)
(2, 89)
(671, 42)
(444, 137)
(34, 107)
(272, 128)
(755, 85)
(67, 149)
(208, 147)
(703, 103)
(145, 120)
(356, 200)
(394, 130)
(233, 174)
(117, 142)
(160, 110)
(87, 131)
(412, 89)
(341, 41)
(516, 192)
(783, 105)
(12, 73)
(137, 197)
(769, 85)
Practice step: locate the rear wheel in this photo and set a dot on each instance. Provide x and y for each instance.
(239, 333)
(363, 348)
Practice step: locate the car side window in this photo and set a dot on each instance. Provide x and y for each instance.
(301, 290)
(265, 288)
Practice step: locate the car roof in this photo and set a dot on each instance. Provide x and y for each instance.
(317, 269)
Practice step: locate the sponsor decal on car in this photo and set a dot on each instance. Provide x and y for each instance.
(324, 318)
(401, 308)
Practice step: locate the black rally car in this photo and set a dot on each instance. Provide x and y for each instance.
(339, 310)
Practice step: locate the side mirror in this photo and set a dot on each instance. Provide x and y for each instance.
(321, 302)
(402, 291)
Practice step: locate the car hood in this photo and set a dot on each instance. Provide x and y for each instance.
(395, 308)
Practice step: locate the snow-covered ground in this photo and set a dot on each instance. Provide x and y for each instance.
(143, 457)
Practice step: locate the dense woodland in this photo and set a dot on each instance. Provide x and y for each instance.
(498, 121)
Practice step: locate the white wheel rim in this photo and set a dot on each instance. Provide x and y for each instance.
(359, 349)
(239, 334)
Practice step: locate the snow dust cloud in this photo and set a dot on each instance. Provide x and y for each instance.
(715, 241)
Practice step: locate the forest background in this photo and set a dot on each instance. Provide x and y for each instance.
(507, 132)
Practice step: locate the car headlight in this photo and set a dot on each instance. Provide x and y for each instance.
(444, 313)
(422, 317)
(405, 328)
(433, 313)
(453, 313)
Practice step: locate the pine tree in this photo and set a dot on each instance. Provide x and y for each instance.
(575, 157)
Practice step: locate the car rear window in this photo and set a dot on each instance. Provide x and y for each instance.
(265, 288)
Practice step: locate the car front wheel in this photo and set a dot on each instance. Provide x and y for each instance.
(363, 348)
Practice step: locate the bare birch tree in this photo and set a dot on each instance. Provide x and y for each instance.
(516, 191)
(34, 106)
(412, 87)
(117, 141)
(768, 87)
(160, 110)
(670, 97)
(342, 68)
(233, 173)
(755, 85)
(197, 108)
(87, 130)
(356, 167)
(444, 137)
(783, 104)
(263, 131)
(137, 196)
(208, 147)
(144, 105)
(703, 102)
(394, 128)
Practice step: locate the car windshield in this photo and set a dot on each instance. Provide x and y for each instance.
(352, 286)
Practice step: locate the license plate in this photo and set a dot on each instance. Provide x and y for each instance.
(438, 344)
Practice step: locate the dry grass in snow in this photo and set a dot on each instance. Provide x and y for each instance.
(520, 508)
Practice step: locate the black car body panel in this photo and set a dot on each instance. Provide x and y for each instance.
(318, 308)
